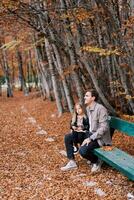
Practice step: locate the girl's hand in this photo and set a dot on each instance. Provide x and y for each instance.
(79, 128)
(74, 128)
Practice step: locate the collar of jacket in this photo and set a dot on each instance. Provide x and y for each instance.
(92, 107)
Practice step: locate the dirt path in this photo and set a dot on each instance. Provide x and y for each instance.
(32, 152)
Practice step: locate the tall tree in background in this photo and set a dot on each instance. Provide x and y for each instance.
(87, 44)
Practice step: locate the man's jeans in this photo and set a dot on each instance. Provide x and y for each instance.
(86, 151)
(71, 139)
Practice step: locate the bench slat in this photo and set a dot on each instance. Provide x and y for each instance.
(122, 125)
(119, 160)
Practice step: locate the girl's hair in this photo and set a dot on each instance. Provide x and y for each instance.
(78, 104)
(74, 116)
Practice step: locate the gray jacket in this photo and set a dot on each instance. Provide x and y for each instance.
(98, 116)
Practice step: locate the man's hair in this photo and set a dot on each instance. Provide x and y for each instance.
(94, 93)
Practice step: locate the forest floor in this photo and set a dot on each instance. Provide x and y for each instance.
(32, 152)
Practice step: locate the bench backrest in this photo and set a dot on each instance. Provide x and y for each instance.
(122, 125)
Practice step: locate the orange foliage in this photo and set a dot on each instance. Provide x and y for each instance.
(69, 70)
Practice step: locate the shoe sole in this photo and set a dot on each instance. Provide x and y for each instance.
(69, 169)
(95, 172)
(75, 153)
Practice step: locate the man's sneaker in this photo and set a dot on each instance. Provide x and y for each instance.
(97, 166)
(75, 149)
(70, 165)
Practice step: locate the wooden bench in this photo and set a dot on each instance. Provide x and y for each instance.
(117, 158)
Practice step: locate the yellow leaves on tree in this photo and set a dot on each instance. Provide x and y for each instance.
(40, 41)
(118, 85)
(10, 45)
(101, 51)
(69, 70)
(115, 83)
(128, 97)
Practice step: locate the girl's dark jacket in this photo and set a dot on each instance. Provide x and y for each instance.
(85, 123)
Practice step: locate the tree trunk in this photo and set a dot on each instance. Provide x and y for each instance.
(7, 75)
(63, 78)
(95, 82)
(21, 73)
(54, 81)
(72, 53)
(45, 83)
(33, 72)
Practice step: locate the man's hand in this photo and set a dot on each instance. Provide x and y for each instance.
(86, 141)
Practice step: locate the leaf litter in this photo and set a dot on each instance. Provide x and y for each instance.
(30, 165)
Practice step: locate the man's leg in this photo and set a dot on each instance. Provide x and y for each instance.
(86, 151)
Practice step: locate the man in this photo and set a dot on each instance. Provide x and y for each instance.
(99, 133)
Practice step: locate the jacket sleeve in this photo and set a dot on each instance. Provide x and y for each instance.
(103, 125)
(86, 124)
(73, 124)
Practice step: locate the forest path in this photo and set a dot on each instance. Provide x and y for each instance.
(32, 152)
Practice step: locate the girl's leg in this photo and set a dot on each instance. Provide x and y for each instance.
(75, 138)
(82, 136)
(70, 140)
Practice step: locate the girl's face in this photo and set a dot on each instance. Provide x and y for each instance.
(79, 109)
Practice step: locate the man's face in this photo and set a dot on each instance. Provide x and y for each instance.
(88, 98)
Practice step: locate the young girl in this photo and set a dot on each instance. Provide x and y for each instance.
(79, 125)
